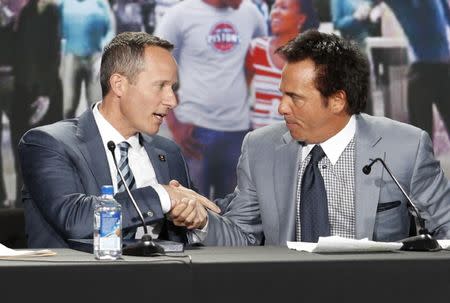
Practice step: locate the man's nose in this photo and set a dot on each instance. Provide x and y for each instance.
(171, 99)
(283, 107)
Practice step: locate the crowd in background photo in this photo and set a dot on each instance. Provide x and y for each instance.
(229, 72)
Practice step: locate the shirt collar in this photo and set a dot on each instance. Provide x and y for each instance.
(109, 133)
(334, 146)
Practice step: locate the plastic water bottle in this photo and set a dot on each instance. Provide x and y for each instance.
(107, 226)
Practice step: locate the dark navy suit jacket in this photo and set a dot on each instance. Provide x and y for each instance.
(64, 166)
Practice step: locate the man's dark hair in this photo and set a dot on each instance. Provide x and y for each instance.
(125, 55)
(340, 65)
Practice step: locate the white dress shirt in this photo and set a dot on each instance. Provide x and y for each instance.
(338, 171)
(140, 165)
(334, 146)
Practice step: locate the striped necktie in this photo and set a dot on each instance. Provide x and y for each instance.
(124, 168)
(127, 174)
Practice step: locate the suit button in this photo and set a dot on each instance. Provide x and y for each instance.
(150, 213)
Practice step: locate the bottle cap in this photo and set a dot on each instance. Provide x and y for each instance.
(107, 190)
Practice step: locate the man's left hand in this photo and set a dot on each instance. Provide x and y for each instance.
(189, 213)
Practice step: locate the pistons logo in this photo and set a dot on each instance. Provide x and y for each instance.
(223, 37)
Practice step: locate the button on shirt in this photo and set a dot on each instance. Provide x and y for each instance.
(337, 170)
(139, 162)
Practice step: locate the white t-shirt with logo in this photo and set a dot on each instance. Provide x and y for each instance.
(210, 48)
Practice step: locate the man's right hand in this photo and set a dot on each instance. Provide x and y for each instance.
(188, 208)
(177, 192)
(183, 135)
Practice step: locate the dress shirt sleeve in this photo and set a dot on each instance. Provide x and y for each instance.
(166, 205)
(197, 235)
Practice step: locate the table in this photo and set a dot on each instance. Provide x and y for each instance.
(226, 274)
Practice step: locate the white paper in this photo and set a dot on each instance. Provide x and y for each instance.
(6, 252)
(445, 244)
(335, 244)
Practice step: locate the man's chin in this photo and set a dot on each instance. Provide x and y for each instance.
(296, 136)
(151, 130)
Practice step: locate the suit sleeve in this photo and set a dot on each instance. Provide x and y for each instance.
(431, 190)
(56, 181)
(241, 222)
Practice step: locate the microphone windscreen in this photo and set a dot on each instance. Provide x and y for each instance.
(366, 169)
(111, 146)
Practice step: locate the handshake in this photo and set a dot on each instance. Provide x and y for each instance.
(188, 208)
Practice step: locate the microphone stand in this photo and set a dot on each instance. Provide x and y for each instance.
(422, 242)
(145, 246)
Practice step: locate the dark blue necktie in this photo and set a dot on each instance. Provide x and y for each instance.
(313, 200)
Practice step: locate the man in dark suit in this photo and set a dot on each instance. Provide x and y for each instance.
(65, 164)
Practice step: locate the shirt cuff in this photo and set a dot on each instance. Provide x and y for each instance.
(197, 235)
(163, 197)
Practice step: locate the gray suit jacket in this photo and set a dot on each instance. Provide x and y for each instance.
(263, 204)
(64, 166)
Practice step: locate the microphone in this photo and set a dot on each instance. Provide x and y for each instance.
(145, 246)
(422, 242)
(368, 168)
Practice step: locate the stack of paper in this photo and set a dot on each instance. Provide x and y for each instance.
(335, 244)
(445, 244)
(6, 252)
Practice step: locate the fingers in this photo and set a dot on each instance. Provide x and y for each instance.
(191, 220)
(177, 192)
(179, 208)
(201, 210)
(184, 212)
(199, 220)
(209, 205)
(192, 195)
(189, 213)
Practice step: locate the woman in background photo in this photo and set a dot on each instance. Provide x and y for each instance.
(263, 66)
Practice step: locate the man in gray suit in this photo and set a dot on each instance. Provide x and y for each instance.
(303, 179)
(65, 164)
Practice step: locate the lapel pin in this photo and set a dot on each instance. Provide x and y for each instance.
(162, 158)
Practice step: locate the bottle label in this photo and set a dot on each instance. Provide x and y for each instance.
(110, 231)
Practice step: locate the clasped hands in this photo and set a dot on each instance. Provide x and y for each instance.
(188, 208)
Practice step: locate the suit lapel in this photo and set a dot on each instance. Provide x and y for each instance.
(285, 172)
(160, 162)
(158, 158)
(367, 187)
(91, 147)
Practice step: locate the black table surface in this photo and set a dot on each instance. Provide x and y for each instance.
(227, 274)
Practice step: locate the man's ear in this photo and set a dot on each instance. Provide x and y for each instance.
(338, 102)
(118, 84)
